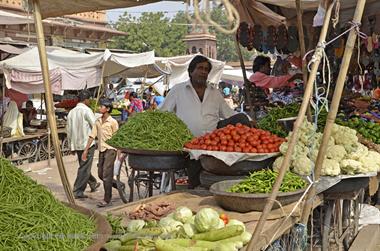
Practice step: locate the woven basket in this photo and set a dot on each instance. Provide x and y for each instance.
(103, 228)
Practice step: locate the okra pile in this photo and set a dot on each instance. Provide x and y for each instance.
(32, 219)
(152, 130)
(262, 182)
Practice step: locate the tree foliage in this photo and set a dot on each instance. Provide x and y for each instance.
(151, 31)
(154, 31)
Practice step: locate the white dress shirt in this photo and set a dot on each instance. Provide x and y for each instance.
(80, 122)
(200, 117)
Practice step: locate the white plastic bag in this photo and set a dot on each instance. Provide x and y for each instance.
(116, 167)
(319, 17)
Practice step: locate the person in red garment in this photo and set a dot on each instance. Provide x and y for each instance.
(261, 75)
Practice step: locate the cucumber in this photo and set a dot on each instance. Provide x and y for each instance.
(112, 245)
(193, 243)
(145, 232)
(245, 237)
(220, 234)
(163, 245)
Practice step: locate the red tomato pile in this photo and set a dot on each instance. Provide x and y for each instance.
(182, 181)
(237, 138)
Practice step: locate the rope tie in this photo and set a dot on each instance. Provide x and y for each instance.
(292, 212)
(232, 15)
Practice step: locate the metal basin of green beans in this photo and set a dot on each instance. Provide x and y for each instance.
(242, 202)
(251, 194)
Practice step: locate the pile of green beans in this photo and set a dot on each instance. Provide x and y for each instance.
(152, 130)
(32, 219)
(262, 182)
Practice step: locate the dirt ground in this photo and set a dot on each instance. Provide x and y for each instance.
(49, 176)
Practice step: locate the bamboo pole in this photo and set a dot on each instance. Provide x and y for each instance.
(49, 100)
(334, 106)
(2, 116)
(301, 36)
(294, 137)
(247, 84)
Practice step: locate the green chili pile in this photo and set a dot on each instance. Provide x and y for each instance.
(269, 122)
(262, 182)
(32, 219)
(152, 130)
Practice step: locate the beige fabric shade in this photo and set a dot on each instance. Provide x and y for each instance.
(57, 8)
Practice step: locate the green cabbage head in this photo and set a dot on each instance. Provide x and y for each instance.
(206, 219)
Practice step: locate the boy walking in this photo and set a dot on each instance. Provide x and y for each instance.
(103, 130)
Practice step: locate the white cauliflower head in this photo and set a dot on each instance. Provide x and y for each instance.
(370, 162)
(360, 151)
(302, 165)
(299, 149)
(336, 152)
(350, 166)
(330, 167)
(277, 163)
(345, 136)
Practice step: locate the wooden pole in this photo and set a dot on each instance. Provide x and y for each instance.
(301, 36)
(334, 106)
(49, 100)
(247, 83)
(294, 137)
(2, 116)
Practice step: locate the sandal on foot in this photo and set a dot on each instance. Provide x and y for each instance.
(104, 204)
(243, 34)
(282, 38)
(271, 38)
(293, 43)
(258, 37)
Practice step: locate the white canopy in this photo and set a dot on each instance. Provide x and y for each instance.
(10, 18)
(235, 75)
(71, 70)
(177, 66)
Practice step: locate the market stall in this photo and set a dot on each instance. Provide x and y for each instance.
(304, 152)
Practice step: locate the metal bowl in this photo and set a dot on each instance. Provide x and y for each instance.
(241, 202)
(30, 130)
(287, 123)
(150, 152)
(218, 167)
(156, 162)
(36, 122)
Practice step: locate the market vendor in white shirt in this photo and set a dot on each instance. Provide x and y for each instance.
(201, 106)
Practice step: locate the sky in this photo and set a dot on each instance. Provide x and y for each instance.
(171, 8)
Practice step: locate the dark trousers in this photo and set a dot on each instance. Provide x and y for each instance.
(193, 169)
(84, 175)
(105, 172)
